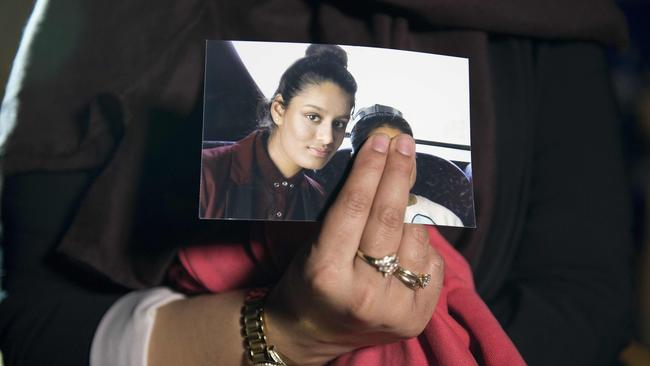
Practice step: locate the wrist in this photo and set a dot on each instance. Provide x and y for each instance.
(253, 328)
(300, 341)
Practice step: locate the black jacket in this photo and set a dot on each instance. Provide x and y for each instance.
(111, 103)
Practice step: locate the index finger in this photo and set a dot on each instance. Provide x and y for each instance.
(346, 218)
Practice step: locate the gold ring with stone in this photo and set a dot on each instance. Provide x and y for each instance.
(387, 265)
(412, 280)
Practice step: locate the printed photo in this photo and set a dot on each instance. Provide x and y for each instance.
(282, 122)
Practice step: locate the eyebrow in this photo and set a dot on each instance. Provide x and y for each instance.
(314, 106)
(345, 117)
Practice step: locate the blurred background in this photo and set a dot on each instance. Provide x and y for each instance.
(631, 84)
(13, 15)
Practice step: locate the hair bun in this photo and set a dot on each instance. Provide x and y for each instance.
(328, 52)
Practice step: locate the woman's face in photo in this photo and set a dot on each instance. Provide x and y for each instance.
(310, 128)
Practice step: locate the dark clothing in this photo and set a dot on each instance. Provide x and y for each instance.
(240, 181)
(101, 168)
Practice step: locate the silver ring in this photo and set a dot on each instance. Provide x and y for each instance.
(412, 280)
(387, 265)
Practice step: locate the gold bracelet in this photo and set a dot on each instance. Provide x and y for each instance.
(253, 331)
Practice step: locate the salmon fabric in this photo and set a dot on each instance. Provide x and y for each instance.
(462, 330)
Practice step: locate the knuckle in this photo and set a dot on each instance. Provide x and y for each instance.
(356, 203)
(437, 272)
(321, 278)
(390, 217)
(375, 166)
(418, 244)
(361, 307)
(401, 166)
(371, 163)
(420, 234)
(438, 263)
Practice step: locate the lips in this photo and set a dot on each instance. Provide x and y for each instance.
(320, 152)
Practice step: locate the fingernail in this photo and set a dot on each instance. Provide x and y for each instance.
(380, 143)
(405, 145)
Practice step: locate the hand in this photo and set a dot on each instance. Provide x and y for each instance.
(329, 301)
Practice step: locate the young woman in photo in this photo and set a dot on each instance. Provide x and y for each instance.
(263, 175)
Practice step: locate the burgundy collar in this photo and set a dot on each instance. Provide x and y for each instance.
(252, 153)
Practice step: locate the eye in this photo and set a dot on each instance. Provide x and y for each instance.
(340, 124)
(313, 117)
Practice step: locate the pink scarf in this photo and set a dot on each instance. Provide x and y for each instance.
(462, 330)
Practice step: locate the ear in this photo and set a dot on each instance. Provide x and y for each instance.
(277, 110)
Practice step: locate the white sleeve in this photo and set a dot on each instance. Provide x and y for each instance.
(122, 337)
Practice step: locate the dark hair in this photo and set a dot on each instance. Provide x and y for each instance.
(321, 63)
(370, 118)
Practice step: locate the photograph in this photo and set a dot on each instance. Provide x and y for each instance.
(282, 123)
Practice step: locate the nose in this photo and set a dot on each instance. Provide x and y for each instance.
(324, 133)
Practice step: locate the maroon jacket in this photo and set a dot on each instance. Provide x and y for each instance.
(240, 181)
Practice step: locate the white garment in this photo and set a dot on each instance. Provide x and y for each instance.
(122, 337)
(425, 211)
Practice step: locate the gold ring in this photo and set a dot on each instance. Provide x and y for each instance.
(412, 280)
(387, 265)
